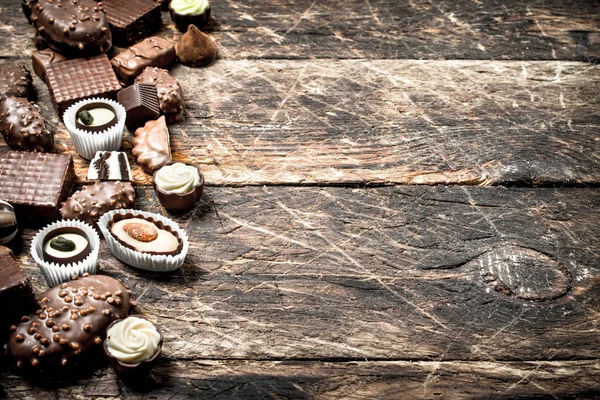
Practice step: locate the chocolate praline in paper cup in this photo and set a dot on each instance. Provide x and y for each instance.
(183, 21)
(57, 273)
(179, 202)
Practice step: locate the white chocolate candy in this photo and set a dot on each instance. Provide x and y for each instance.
(132, 340)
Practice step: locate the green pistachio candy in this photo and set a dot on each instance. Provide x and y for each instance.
(62, 244)
(85, 117)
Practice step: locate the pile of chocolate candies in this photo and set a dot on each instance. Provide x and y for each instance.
(95, 97)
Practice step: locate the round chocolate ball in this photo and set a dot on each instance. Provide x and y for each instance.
(8, 222)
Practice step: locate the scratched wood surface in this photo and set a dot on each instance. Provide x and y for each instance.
(402, 291)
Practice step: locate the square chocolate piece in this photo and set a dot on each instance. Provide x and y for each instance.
(141, 103)
(40, 59)
(132, 20)
(35, 184)
(81, 78)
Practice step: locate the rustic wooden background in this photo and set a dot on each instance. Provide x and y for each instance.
(403, 202)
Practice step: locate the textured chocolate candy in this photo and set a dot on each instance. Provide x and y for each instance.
(40, 59)
(195, 48)
(35, 183)
(141, 104)
(72, 319)
(24, 127)
(132, 20)
(15, 81)
(81, 78)
(151, 145)
(109, 166)
(151, 52)
(183, 21)
(170, 95)
(89, 203)
(8, 222)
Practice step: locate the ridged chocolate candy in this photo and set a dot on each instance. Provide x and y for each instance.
(72, 318)
(92, 201)
(24, 127)
(170, 95)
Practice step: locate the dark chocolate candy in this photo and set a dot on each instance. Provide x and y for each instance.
(151, 145)
(109, 166)
(35, 184)
(58, 247)
(26, 5)
(170, 95)
(15, 81)
(24, 127)
(40, 59)
(183, 21)
(75, 28)
(81, 78)
(15, 290)
(151, 52)
(72, 319)
(8, 222)
(92, 201)
(195, 48)
(132, 20)
(141, 104)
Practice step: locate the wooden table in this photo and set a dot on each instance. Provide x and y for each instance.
(403, 202)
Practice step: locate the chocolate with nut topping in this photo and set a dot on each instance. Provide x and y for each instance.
(170, 95)
(15, 81)
(24, 127)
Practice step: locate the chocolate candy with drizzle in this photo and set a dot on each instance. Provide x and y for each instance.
(109, 166)
(24, 127)
(8, 222)
(72, 319)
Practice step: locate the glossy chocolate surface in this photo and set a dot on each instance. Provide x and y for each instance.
(151, 52)
(94, 127)
(24, 127)
(151, 145)
(64, 260)
(15, 81)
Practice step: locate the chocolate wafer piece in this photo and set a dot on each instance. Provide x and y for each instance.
(81, 78)
(141, 103)
(15, 81)
(35, 184)
(40, 59)
(151, 52)
(132, 20)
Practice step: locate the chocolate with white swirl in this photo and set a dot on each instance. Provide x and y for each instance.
(132, 340)
(178, 186)
(189, 12)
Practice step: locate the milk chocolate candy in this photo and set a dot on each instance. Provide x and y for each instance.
(75, 28)
(89, 203)
(35, 184)
(15, 81)
(151, 52)
(40, 59)
(151, 145)
(195, 48)
(27, 5)
(132, 20)
(81, 78)
(24, 127)
(170, 95)
(72, 319)
(141, 104)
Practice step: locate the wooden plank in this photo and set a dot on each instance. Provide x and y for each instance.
(174, 379)
(418, 29)
(393, 273)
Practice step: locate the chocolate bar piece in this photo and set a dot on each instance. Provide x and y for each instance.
(109, 166)
(141, 104)
(81, 78)
(24, 127)
(40, 59)
(132, 20)
(15, 81)
(75, 28)
(151, 145)
(151, 52)
(35, 184)
(170, 95)
(16, 291)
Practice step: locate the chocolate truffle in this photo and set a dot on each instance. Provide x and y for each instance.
(109, 166)
(151, 52)
(170, 95)
(8, 222)
(66, 245)
(24, 127)
(72, 319)
(178, 186)
(196, 48)
(15, 81)
(189, 12)
(145, 235)
(95, 117)
(151, 145)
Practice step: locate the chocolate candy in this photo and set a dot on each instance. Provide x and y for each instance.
(8, 222)
(151, 145)
(40, 59)
(96, 117)
(15, 291)
(89, 203)
(72, 319)
(15, 81)
(75, 28)
(66, 245)
(132, 20)
(170, 95)
(141, 104)
(81, 78)
(195, 48)
(189, 12)
(151, 52)
(24, 127)
(109, 166)
(145, 235)
(35, 183)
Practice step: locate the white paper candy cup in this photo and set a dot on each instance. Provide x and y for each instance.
(137, 259)
(54, 273)
(88, 143)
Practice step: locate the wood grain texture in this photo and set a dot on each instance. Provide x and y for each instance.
(383, 29)
(315, 380)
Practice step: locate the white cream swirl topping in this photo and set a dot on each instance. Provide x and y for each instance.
(177, 178)
(132, 340)
(189, 7)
